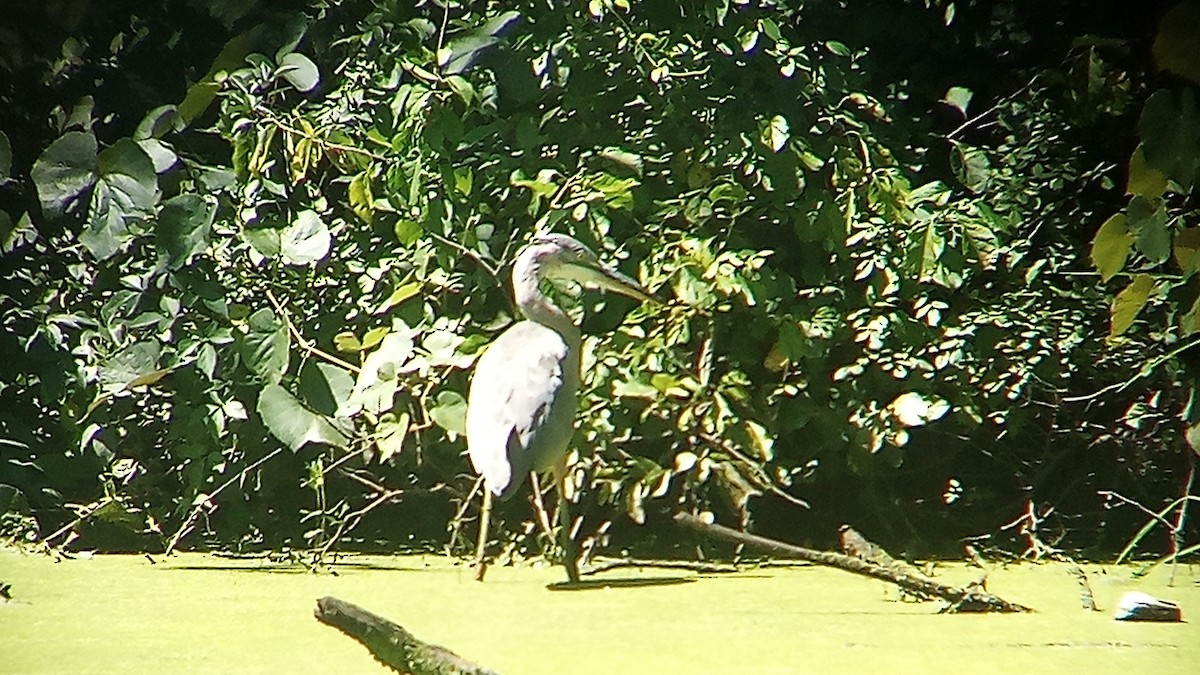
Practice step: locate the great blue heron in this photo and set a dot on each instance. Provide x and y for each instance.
(525, 391)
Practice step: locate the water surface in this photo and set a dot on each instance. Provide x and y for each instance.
(196, 613)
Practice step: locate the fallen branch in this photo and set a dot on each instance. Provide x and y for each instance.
(393, 646)
(961, 599)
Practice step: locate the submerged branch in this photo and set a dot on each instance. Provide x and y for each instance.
(968, 599)
(391, 644)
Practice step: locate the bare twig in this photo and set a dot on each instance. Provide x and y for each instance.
(456, 523)
(196, 510)
(763, 479)
(357, 517)
(1146, 370)
(303, 342)
(491, 269)
(967, 124)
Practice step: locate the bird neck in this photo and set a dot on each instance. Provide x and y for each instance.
(527, 281)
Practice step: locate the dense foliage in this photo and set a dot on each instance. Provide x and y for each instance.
(250, 255)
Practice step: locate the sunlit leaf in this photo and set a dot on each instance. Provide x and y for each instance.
(913, 409)
(450, 412)
(1187, 250)
(300, 71)
(325, 387)
(264, 346)
(292, 423)
(65, 170)
(971, 166)
(1128, 303)
(775, 133)
(126, 190)
(378, 381)
(182, 228)
(1144, 179)
(1111, 246)
(306, 240)
(134, 365)
(958, 98)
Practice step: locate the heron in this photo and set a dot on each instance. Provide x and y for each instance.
(524, 393)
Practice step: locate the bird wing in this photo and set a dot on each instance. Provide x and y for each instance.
(521, 407)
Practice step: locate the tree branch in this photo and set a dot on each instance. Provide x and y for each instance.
(393, 646)
(961, 599)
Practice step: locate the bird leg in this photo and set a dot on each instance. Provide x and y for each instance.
(485, 517)
(570, 551)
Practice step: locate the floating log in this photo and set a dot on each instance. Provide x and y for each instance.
(391, 644)
(970, 599)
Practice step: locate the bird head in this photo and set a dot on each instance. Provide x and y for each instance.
(561, 257)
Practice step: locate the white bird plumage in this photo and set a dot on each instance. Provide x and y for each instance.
(525, 390)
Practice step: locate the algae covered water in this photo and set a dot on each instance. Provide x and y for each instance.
(196, 613)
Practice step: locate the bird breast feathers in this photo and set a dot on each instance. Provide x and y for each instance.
(516, 382)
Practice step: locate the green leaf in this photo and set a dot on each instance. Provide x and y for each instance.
(182, 228)
(1148, 220)
(837, 48)
(1171, 136)
(127, 171)
(1128, 303)
(378, 380)
(1111, 246)
(635, 389)
(771, 28)
(300, 71)
(264, 346)
(390, 434)
(408, 231)
(292, 423)
(134, 365)
(971, 166)
(691, 289)
(1190, 323)
(126, 190)
(201, 94)
(958, 98)
(1187, 250)
(465, 49)
(159, 153)
(1144, 179)
(361, 199)
(450, 412)
(325, 388)
(156, 123)
(306, 240)
(402, 293)
(347, 341)
(775, 133)
(65, 170)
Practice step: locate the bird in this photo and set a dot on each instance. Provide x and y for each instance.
(524, 392)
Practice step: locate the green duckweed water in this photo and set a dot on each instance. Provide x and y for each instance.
(196, 613)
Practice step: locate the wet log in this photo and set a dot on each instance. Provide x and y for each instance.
(391, 644)
(968, 599)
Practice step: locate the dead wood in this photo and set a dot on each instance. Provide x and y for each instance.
(970, 599)
(391, 644)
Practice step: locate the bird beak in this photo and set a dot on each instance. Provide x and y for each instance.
(610, 279)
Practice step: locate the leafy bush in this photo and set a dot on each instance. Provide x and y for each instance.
(253, 313)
